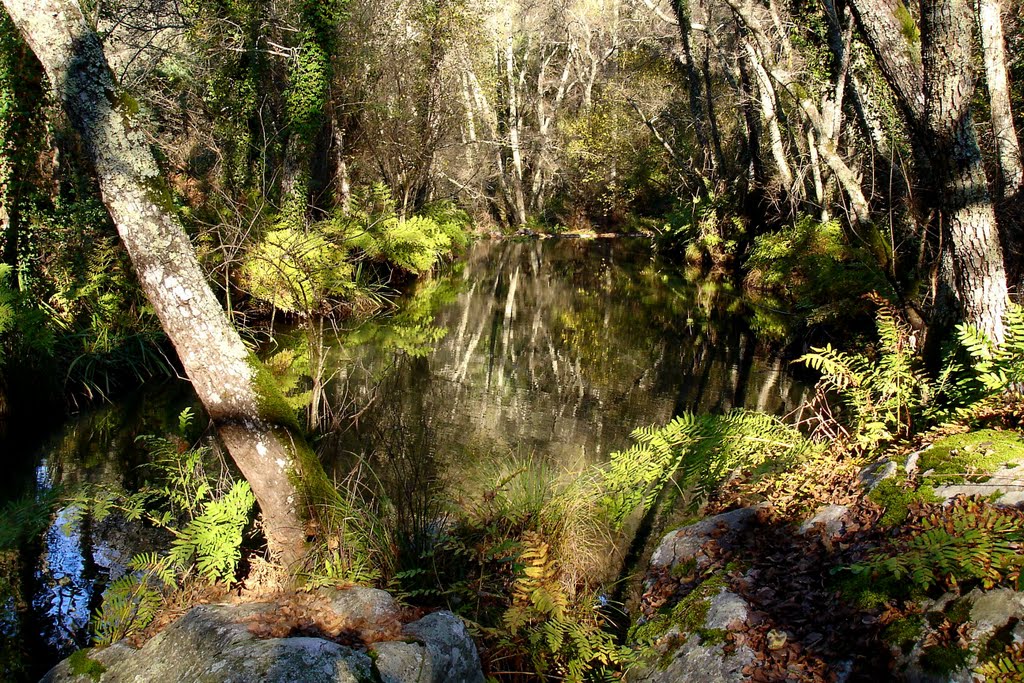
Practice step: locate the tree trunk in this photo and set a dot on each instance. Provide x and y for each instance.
(224, 374)
(965, 208)
(1007, 145)
(934, 93)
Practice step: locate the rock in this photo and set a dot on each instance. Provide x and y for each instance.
(727, 612)
(686, 544)
(445, 653)
(984, 613)
(831, 517)
(1008, 483)
(213, 644)
(874, 474)
(697, 663)
(910, 466)
(992, 610)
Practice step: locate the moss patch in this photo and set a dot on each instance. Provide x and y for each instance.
(903, 633)
(81, 664)
(688, 616)
(972, 456)
(944, 659)
(897, 496)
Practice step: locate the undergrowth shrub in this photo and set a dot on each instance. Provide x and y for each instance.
(872, 398)
(814, 270)
(297, 271)
(693, 454)
(415, 244)
(967, 542)
(206, 515)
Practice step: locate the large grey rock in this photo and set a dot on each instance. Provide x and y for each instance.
(213, 644)
(443, 653)
(697, 663)
(686, 544)
(208, 645)
(686, 658)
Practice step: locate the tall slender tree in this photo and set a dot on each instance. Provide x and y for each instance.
(258, 435)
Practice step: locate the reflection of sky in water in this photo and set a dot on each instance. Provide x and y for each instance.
(65, 591)
(9, 618)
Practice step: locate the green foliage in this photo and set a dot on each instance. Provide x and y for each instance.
(213, 539)
(813, 268)
(966, 542)
(880, 397)
(132, 602)
(1007, 667)
(565, 641)
(297, 271)
(206, 521)
(694, 453)
(705, 226)
(996, 372)
(415, 244)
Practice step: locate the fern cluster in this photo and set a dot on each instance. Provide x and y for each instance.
(879, 398)
(415, 244)
(1007, 667)
(564, 638)
(205, 515)
(695, 453)
(995, 372)
(966, 542)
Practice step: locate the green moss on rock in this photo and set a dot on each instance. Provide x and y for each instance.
(81, 664)
(896, 496)
(944, 659)
(972, 456)
(903, 633)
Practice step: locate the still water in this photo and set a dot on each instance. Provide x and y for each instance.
(544, 349)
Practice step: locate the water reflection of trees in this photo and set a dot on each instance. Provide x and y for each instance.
(558, 347)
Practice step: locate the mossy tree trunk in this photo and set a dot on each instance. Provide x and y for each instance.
(267, 450)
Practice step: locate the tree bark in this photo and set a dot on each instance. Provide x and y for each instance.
(965, 207)
(1007, 145)
(222, 370)
(935, 93)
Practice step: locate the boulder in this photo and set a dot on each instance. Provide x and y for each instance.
(698, 657)
(216, 644)
(686, 544)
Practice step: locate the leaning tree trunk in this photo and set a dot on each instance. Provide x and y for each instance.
(223, 372)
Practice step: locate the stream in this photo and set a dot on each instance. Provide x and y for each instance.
(553, 350)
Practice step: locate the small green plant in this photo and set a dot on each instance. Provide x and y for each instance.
(297, 270)
(132, 602)
(879, 398)
(205, 515)
(967, 542)
(996, 371)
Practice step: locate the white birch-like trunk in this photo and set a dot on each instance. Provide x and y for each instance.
(211, 352)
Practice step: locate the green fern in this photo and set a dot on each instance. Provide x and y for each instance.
(881, 398)
(213, 539)
(695, 453)
(967, 542)
(1008, 667)
(132, 602)
(996, 372)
